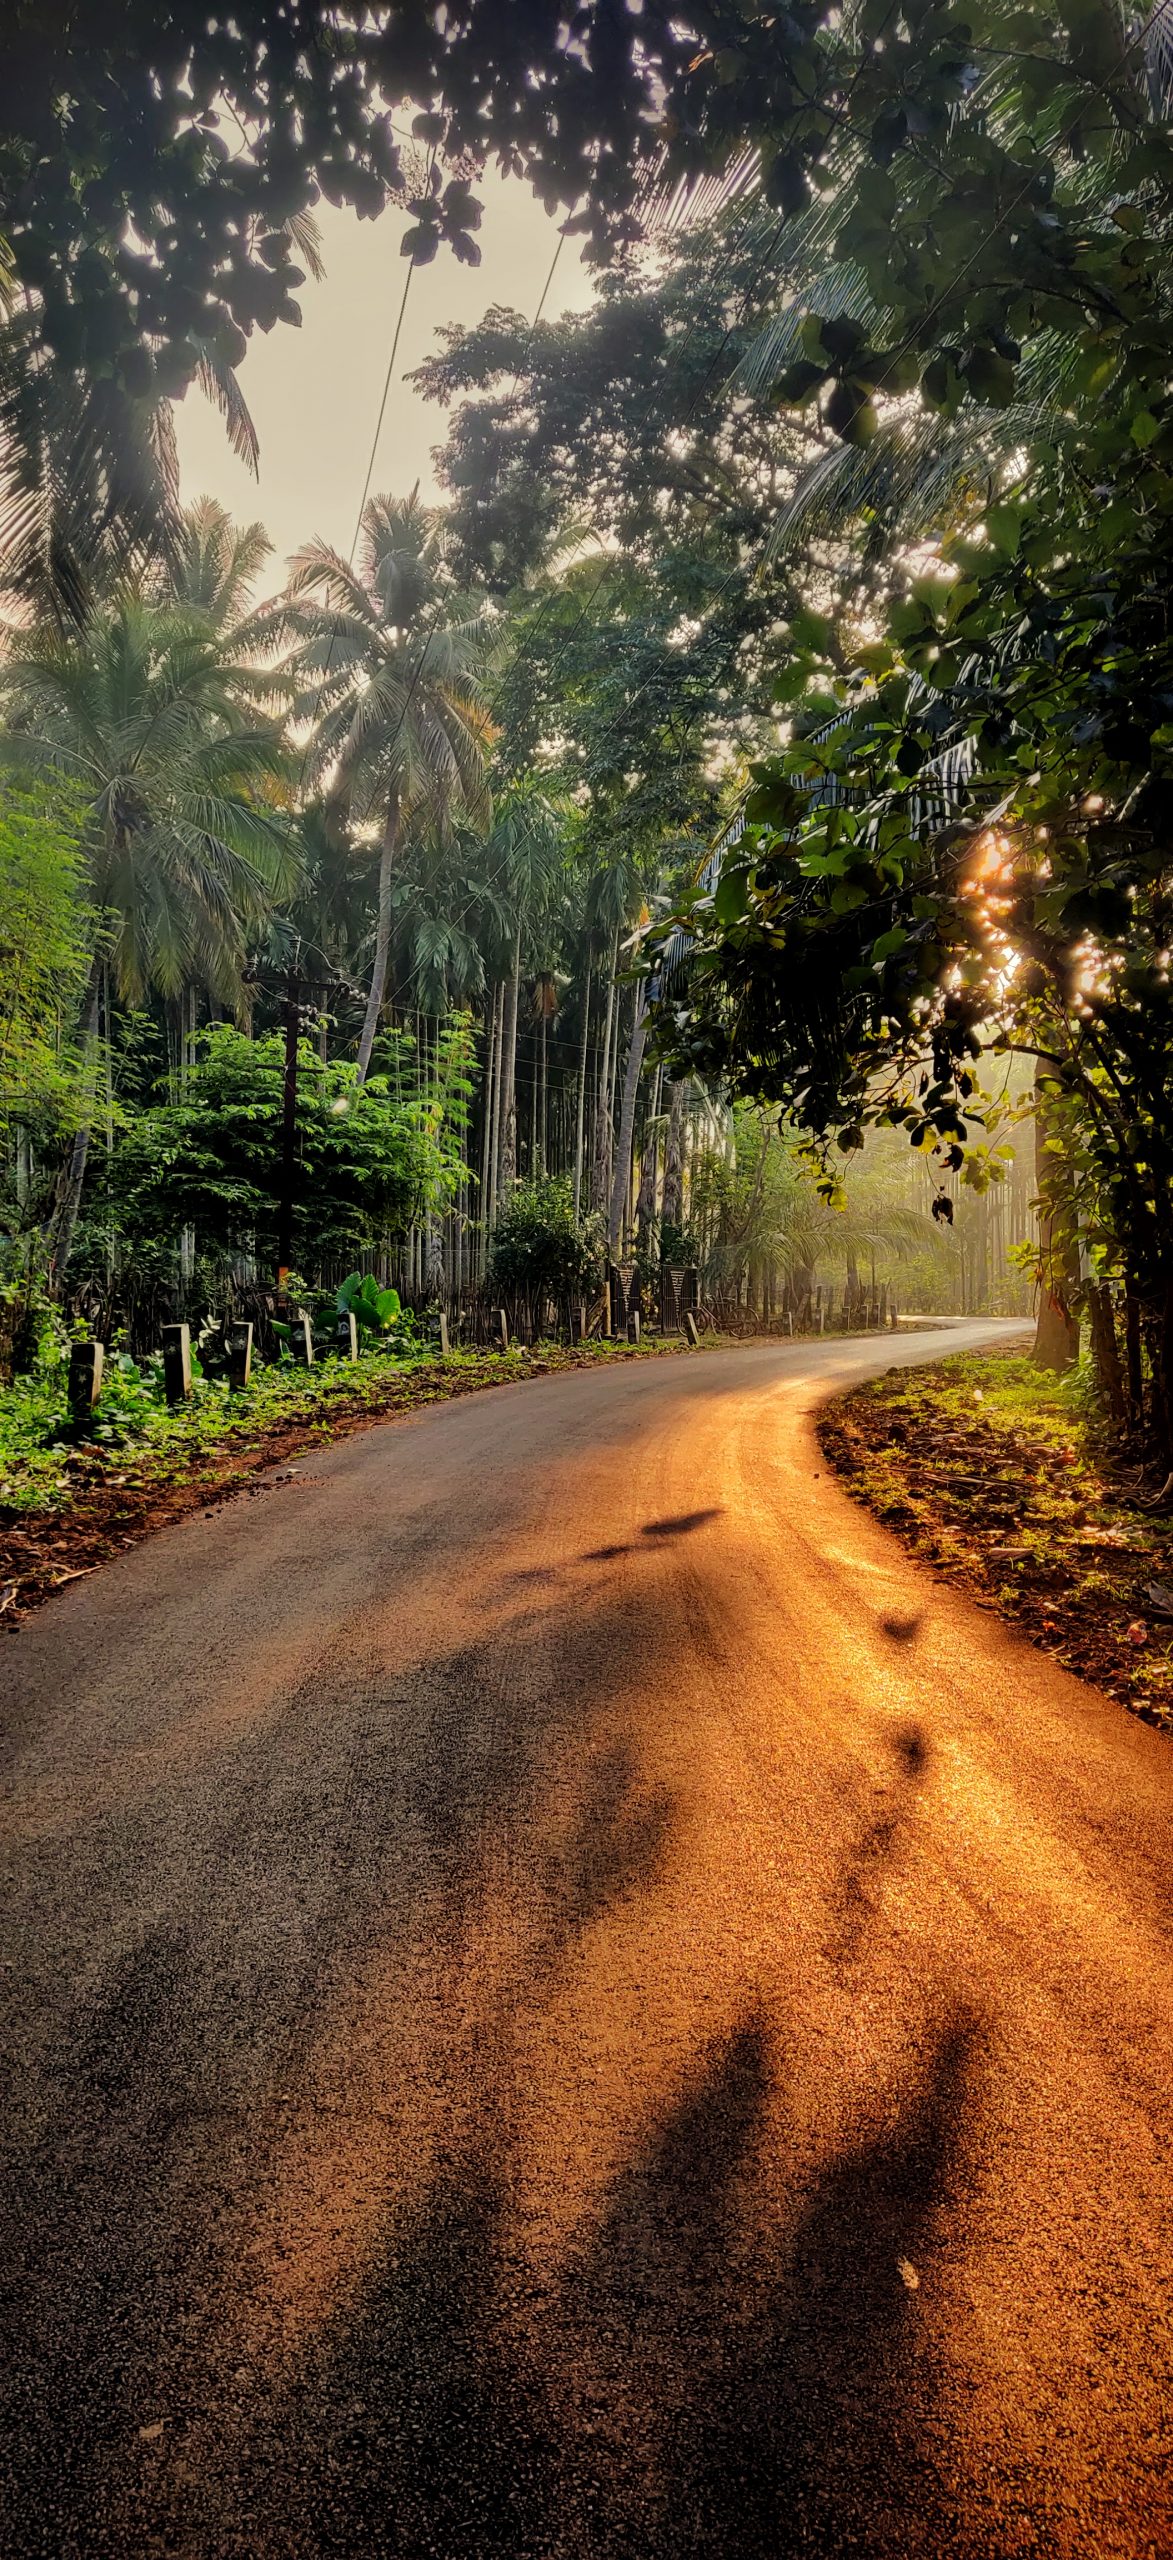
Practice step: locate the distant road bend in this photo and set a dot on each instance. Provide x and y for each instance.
(563, 2001)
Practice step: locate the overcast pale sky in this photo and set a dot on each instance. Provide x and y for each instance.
(314, 392)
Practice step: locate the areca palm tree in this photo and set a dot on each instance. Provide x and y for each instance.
(180, 771)
(391, 663)
(524, 859)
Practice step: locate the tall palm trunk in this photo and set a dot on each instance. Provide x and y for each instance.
(488, 1133)
(621, 1181)
(673, 1199)
(603, 1124)
(543, 1107)
(645, 1207)
(580, 1102)
(498, 1108)
(507, 1162)
(63, 1218)
(378, 987)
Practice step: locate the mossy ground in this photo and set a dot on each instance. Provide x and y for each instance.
(999, 1475)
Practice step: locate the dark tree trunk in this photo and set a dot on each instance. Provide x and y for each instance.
(1134, 1365)
(1106, 1352)
(673, 1200)
(507, 1166)
(1057, 1328)
(621, 1179)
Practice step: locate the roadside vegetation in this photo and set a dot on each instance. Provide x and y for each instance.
(1003, 1477)
(71, 1498)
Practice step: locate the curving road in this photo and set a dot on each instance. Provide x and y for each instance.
(561, 2001)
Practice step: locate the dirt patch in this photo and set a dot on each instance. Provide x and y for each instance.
(998, 1477)
(119, 1498)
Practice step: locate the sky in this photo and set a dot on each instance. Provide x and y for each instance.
(314, 392)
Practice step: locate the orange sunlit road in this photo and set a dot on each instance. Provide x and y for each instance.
(562, 2000)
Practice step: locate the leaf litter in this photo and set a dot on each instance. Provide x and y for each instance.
(996, 1474)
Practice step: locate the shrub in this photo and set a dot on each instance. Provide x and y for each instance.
(541, 1250)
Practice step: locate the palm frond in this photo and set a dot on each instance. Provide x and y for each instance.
(219, 384)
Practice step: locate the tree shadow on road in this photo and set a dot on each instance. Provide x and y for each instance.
(695, 2385)
(877, 1846)
(694, 2378)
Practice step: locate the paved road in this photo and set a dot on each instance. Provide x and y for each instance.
(562, 2002)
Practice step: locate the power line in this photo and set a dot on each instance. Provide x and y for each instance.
(366, 487)
(419, 666)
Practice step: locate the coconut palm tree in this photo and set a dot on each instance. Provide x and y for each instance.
(180, 772)
(215, 568)
(390, 662)
(89, 471)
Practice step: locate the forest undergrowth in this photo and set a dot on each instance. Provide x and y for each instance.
(998, 1474)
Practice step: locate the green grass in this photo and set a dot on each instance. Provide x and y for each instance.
(42, 1452)
(136, 1438)
(1002, 1476)
(1012, 1393)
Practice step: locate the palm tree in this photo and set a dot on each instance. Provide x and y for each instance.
(390, 661)
(89, 472)
(524, 858)
(180, 774)
(215, 568)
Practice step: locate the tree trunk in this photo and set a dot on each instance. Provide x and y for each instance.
(67, 1202)
(645, 1207)
(1106, 1352)
(1161, 1355)
(601, 1183)
(673, 1199)
(580, 1102)
(378, 986)
(621, 1182)
(108, 1083)
(488, 1107)
(507, 1162)
(1133, 1360)
(1057, 1329)
(543, 1111)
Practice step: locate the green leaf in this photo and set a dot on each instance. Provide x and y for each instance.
(852, 413)
(1004, 526)
(991, 377)
(812, 630)
(731, 898)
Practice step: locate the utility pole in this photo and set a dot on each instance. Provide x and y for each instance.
(288, 1127)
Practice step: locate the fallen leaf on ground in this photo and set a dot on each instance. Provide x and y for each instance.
(1159, 1596)
(151, 2434)
(1137, 1633)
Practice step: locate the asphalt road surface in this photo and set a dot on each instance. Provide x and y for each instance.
(562, 2001)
